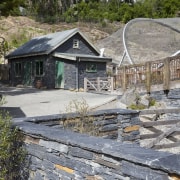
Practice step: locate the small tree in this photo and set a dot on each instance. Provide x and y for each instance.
(12, 153)
(83, 122)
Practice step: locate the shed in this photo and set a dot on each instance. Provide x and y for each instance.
(57, 60)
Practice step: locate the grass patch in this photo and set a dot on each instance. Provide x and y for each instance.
(83, 122)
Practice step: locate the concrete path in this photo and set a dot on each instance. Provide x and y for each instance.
(28, 102)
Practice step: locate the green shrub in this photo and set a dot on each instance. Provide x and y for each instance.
(136, 106)
(152, 102)
(12, 152)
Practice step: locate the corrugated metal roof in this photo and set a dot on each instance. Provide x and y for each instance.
(45, 44)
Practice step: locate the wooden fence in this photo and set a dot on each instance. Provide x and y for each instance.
(159, 130)
(99, 84)
(148, 74)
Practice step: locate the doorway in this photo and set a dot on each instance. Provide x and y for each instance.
(59, 79)
(27, 79)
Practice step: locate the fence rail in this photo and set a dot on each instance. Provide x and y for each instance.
(150, 73)
(98, 84)
(156, 131)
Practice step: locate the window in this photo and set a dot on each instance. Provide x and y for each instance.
(75, 43)
(18, 69)
(91, 68)
(39, 68)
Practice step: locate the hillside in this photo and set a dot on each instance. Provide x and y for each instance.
(146, 41)
(18, 30)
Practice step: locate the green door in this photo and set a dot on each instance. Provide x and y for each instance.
(59, 80)
(27, 79)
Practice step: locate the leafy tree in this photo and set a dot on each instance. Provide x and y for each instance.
(91, 10)
(160, 8)
(10, 7)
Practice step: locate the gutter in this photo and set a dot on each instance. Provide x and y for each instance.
(24, 56)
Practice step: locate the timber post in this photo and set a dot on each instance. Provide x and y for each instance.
(148, 77)
(124, 83)
(166, 75)
(98, 84)
(112, 84)
(85, 84)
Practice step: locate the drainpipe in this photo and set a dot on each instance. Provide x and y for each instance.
(77, 73)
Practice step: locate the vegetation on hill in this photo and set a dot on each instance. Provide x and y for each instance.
(121, 11)
(98, 19)
(90, 11)
(11, 7)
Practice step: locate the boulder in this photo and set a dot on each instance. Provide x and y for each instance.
(144, 101)
(130, 96)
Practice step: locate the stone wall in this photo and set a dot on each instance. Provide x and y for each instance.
(57, 153)
(172, 100)
(118, 124)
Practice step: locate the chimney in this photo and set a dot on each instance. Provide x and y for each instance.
(102, 52)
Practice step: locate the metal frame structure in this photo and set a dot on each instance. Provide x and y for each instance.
(126, 51)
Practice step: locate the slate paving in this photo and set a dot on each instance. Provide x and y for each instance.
(29, 102)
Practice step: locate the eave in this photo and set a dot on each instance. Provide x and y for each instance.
(82, 57)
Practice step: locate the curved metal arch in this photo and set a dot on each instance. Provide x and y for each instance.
(126, 52)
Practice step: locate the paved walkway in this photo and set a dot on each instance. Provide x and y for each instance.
(30, 102)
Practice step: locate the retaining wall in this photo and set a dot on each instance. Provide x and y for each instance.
(172, 100)
(57, 153)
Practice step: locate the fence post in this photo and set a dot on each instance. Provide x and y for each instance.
(112, 84)
(124, 84)
(148, 77)
(166, 74)
(98, 84)
(85, 84)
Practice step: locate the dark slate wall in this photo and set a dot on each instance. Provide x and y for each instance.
(75, 72)
(84, 47)
(70, 73)
(101, 71)
(49, 71)
(48, 79)
(12, 78)
(19, 80)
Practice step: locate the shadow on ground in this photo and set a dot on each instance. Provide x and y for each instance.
(14, 112)
(13, 91)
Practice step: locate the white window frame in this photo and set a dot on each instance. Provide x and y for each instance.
(75, 43)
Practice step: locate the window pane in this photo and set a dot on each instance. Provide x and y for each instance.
(39, 68)
(91, 68)
(18, 69)
(75, 43)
